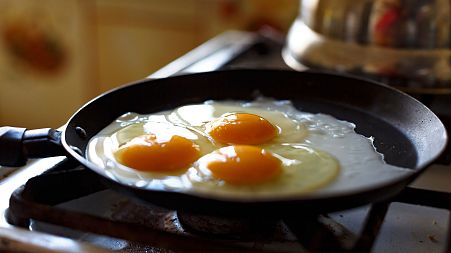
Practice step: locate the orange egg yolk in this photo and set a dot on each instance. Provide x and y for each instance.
(146, 153)
(242, 165)
(241, 128)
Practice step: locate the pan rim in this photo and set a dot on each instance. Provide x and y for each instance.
(420, 167)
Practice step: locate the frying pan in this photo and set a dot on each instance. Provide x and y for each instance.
(405, 131)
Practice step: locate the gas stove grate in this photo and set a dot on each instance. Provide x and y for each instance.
(38, 199)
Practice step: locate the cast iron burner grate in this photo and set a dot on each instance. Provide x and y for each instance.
(37, 200)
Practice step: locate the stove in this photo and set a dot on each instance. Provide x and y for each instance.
(45, 208)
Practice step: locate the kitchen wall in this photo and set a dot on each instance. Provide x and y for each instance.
(56, 55)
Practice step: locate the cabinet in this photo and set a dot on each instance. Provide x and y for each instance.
(136, 38)
(45, 62)
(57, 55)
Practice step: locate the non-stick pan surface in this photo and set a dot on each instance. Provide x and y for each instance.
(405, 131)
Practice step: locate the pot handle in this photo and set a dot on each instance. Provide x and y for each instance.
(18, 144)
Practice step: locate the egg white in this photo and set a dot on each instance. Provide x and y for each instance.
(320, 154)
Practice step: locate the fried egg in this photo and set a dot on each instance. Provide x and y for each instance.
(232, 149)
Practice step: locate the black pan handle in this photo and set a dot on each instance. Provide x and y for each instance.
(18, 144)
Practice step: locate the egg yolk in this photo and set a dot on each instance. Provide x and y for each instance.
(242, 164)
(241, 128)
(146, 153)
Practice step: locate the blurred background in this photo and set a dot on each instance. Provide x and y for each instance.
(57, 55)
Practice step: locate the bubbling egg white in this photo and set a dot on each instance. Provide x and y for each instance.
(319, 154)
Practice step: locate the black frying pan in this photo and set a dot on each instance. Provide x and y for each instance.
(405, 131)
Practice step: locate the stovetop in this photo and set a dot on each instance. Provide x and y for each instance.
(415, 221)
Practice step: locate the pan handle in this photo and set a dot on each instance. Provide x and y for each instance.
(18, 144)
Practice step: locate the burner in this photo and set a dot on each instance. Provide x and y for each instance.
(227, 227)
